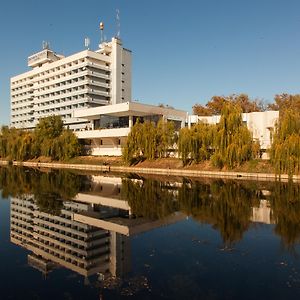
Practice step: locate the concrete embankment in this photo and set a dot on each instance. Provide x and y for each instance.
(157, 171)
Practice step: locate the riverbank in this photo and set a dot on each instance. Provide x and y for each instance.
(166, 167)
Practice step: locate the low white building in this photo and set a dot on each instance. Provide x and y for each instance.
(110, 125)
(260, 124)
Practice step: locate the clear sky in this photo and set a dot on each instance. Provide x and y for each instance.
(184, 52)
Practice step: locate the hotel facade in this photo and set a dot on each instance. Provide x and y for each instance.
(91, 91)
(59, 85)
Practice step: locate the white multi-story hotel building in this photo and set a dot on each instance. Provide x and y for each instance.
(91, 91)
(58, 85)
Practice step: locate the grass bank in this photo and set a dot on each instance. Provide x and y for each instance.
(253, 170)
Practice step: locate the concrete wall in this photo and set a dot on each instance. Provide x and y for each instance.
(260, 124)
(107, 146)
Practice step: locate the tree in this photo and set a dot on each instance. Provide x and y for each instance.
(48, 139)
(165, 138)
(49, 127)
(233, 142)
(201, 110)
(216, 104)
(285, 149)
(285, 101)
(195, 144)
(148, 141)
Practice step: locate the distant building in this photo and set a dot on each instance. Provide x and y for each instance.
(59, 85)
(91, 91)
(260, 124)
(110, 125)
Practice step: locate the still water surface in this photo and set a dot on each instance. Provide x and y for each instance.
(66, 235)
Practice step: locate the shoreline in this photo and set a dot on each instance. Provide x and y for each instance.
(158, 171)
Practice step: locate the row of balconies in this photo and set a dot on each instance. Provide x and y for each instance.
(70, 89)
(22, 89)
(20, 98)
(63, 72)
(20, 233)
(73, 93)
(51, 84)
(22, 118)
(84, 80)
(64, 91)
(69, 239)
(24, 124)
(27, 82)
(22, 82)
(52, 74)
(23, 110)
(62, 244)
(66, 227)
(21, 225)
(58, 87)
(61, 254)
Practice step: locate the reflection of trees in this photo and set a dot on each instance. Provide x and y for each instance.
(48, 188)
(149, 198)
(225, 205)
(285, 203)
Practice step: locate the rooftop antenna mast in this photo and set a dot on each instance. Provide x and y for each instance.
(46, 45)
(101, 26)
(118, 23)
(87, 43)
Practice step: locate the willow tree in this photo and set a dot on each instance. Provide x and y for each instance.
(233, 142)
(148, 141)
(49, 139)
(184, 145)
(133, 149)
(195, 144)
(165, 138)
(285, 150)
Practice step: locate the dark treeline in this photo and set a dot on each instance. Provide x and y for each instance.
(49, 138)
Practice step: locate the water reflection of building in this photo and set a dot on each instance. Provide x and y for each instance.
(59, 239)
(262, 213)
(90, 236)
(112, 213)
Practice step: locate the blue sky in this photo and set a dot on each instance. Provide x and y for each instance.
(184, 52)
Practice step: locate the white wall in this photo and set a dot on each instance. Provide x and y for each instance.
(260, 124)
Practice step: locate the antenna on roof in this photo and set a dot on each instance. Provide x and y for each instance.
(87, 43)
(118, 23)
(46, 45)
(101, 26)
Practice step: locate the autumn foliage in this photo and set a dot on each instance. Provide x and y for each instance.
(49, 138)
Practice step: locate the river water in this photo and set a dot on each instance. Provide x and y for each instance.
(71, 235)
